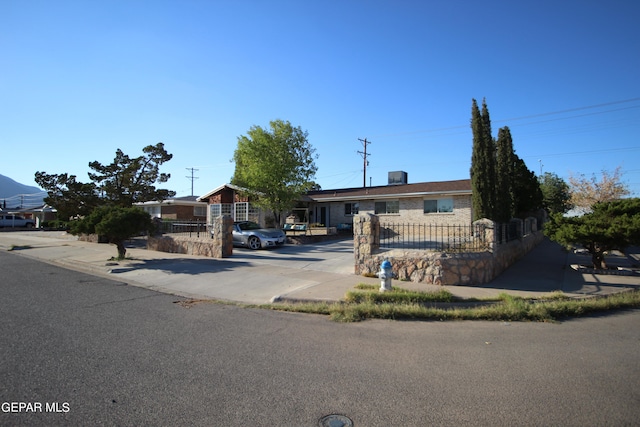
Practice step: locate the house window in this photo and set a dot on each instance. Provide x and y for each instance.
(199, 211)
(218, 209)
(226, 209)
(438, 205)
(153, 211)
(215, 210)
(245, 211)
(351, 208)
(387, 207)
(242, 211)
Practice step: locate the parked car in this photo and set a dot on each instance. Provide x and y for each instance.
(252, 236)
(16, 221)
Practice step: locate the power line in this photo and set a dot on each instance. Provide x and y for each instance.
(531, 116)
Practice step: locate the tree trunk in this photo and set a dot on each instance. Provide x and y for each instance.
(597, 258)
(121, 249)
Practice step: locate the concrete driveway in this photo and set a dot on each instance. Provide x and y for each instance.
(335, 256)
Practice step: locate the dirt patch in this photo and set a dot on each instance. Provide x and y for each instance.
(190, 303)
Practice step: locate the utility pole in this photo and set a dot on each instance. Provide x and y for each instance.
(364, 155)
(192, 178)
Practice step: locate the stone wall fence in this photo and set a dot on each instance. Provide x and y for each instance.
(446, 268)
(219, 244)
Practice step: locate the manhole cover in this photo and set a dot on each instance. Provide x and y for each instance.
(335, 421)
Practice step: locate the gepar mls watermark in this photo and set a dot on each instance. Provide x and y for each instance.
(30, 407)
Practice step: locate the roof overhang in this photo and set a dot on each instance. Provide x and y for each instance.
(357, 197)
(218, 189)
(171, 202)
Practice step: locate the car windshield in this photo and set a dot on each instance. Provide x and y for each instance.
(248, 226)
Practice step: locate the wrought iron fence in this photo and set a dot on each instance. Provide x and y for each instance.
(198, 229)
(441, 238)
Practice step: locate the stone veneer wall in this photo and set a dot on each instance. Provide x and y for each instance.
(439, 268)
(219, 245)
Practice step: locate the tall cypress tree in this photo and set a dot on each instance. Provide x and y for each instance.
(504, 176)
(482, 163)
(502, 186)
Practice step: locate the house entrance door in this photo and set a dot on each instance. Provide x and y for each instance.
(323, 216)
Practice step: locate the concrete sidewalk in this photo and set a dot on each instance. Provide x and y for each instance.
(249, 277)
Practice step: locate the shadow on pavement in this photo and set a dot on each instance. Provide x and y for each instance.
(189, 266)
(548, 268)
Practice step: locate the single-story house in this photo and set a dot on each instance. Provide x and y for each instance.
(187, 208)
(228, 199)
(440, 203)
(39, 214)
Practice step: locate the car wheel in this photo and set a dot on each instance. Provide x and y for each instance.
(254, 243)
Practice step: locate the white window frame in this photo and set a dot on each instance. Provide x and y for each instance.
(215, 210)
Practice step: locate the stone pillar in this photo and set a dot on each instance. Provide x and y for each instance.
(222, 234)
(366, 239)
(484, 229)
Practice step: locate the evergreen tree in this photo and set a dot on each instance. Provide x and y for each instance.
(527, 195)
(482, 163)
(502, 186)
(609, 225)
(504, 176)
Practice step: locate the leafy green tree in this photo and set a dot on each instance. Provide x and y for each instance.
(555, 193)
(116, 224)
(275, 166)
(482, 163)
(610, 226)
(505, 165)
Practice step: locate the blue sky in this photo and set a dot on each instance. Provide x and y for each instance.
(80, 79)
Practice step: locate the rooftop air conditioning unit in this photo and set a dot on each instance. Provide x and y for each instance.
(397, 178)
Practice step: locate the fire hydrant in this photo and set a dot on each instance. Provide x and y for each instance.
(385, 274)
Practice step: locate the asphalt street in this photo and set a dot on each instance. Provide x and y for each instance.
(107, 353)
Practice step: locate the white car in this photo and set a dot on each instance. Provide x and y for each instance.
(252, 236)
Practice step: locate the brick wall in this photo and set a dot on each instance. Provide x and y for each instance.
(411, 210)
